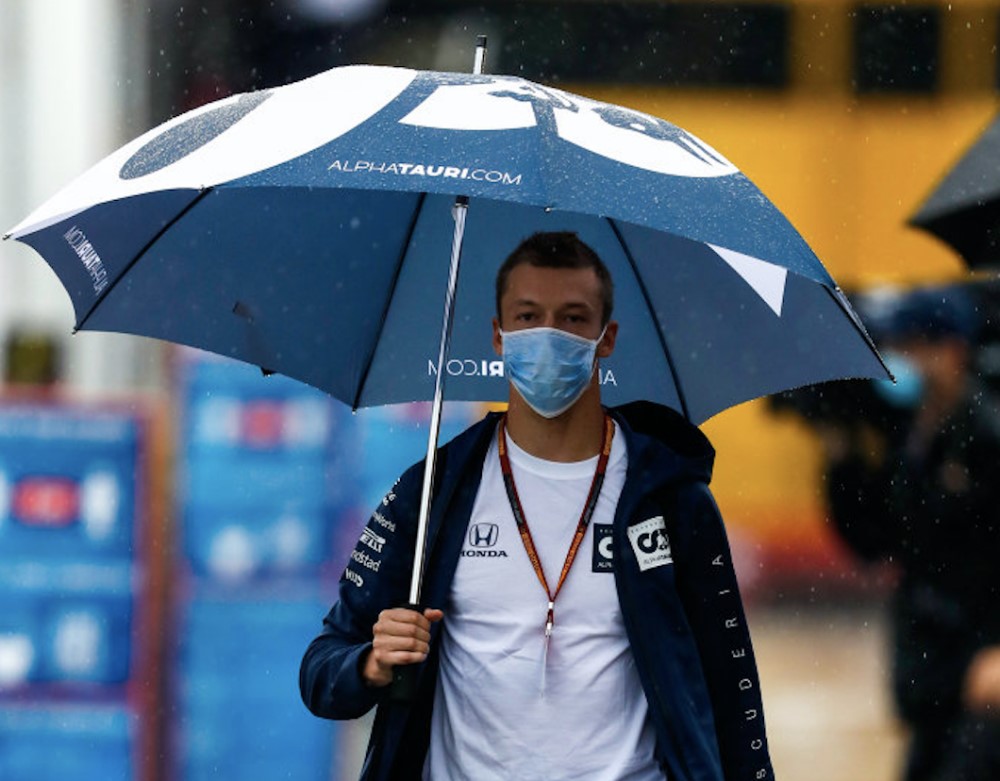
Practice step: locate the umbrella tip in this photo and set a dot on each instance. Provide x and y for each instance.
(266, 372)
(7, 235)
(480, 60)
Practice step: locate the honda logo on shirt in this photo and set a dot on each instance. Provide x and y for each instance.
(483, 535)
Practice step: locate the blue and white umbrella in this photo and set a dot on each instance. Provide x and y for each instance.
(316, 230)
(308, 229)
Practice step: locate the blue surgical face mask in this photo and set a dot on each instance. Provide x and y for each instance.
(550, 368)
(906, 392)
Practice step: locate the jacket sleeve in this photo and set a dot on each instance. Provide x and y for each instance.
(707, 586)
(376, 577)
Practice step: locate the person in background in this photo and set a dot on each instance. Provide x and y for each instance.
(925, 495)
(583, 617)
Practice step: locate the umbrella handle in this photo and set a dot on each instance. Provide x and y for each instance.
(405, 676)
(404, 683)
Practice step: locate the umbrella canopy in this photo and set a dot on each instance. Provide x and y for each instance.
(963, 211)
(307, 229)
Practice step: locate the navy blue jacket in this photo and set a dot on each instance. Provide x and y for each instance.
(684, 620)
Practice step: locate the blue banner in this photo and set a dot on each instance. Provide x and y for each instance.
(67, 483)
(238, 667)
(60, 742)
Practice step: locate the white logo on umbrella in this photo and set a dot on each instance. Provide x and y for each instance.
(613, 132)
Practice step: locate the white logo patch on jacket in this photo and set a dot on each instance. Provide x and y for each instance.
(650, 543)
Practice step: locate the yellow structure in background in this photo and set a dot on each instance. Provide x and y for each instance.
(847, 170)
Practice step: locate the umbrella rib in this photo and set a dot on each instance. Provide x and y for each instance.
(652, 312)
(205, 191)
(388, 302)
(852, 316)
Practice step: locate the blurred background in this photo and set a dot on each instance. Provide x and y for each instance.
(172, 526)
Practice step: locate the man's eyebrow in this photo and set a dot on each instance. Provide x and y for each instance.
(562, 307)
(576, 306)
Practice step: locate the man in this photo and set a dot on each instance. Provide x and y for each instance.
(924, 494)
(584, 619)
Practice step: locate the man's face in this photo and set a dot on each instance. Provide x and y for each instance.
(567, 299)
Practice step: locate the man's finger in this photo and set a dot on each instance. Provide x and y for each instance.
(407, 625)
(387, 643)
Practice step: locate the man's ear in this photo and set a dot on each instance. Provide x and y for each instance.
(497, 338)
(607, 345)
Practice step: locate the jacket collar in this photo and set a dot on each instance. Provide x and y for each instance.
(669, 448)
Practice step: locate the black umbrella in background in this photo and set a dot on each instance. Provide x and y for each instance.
(964, 210)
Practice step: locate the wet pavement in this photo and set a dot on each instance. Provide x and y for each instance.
(824, 673)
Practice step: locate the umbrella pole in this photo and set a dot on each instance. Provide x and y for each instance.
(459, 212)
(404, 678)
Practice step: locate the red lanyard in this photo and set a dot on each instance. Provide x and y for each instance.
(581, 526)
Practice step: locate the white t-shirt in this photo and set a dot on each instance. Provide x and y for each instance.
(505, 708)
